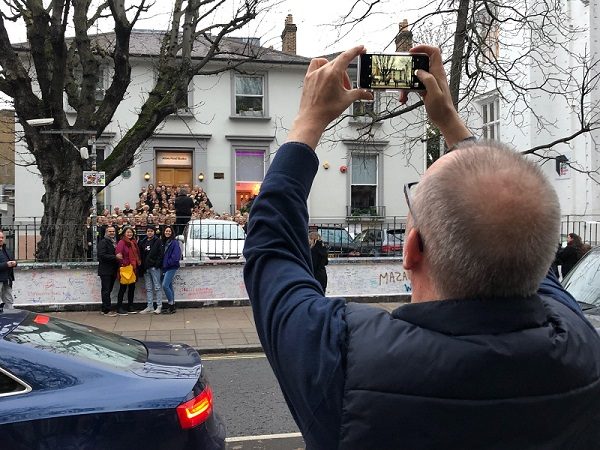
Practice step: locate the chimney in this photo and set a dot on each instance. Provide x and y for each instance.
(288, 37)
(404, 40)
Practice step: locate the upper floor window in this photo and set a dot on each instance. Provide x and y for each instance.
(362, 108)
(249, 95)
(490, 114)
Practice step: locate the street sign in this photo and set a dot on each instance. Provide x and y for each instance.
(94, 178)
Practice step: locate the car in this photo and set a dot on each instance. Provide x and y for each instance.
(337, 240)
(213, 239)
(380, 241)
(69, 386)
(583, 283)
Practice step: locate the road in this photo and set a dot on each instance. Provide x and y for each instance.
(250, 402)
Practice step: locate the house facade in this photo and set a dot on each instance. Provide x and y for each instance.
(536, 119)
(234, 123)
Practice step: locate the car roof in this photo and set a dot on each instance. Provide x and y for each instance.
(212, 222)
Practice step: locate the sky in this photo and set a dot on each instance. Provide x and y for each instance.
(316, 34)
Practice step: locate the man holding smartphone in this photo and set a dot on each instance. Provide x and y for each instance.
(491, 352)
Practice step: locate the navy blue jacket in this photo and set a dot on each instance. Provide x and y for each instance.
(305, 335)
(172, 255)
(6, 273)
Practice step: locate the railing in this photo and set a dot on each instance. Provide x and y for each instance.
(208, 241)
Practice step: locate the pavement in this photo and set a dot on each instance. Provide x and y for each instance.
(209, 329)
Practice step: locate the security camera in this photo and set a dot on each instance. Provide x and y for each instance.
(83, 152)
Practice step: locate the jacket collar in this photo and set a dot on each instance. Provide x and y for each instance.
(475, 316)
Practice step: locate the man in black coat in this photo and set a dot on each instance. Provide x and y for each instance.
(151, 254)
(7, 276)
(108, 267)
(183, 210)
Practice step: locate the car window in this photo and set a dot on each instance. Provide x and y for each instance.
(69, 338)
(583, 282)
(9, 386)
(218, 231)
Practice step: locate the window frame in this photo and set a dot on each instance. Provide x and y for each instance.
(375, 157)
(264, 114)
(490, 125)
(26, 387)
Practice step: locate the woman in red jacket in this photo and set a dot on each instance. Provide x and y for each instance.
(128, 249)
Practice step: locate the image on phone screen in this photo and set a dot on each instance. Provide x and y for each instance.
(391, 71)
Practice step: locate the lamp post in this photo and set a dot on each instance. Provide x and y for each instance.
(84, 155)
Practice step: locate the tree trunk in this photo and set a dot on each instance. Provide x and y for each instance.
(66, 206)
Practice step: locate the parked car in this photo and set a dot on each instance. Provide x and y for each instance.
(69, 386)
(337, 240)
(583, 282)
(213, 239)
(380, 242)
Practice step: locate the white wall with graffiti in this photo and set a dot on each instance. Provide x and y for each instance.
(78, 284)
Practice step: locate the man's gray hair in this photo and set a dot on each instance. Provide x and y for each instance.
(490, 223)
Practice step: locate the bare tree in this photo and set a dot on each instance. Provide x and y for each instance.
(51, 67)
(523, 51)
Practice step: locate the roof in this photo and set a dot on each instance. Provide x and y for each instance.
(145, 43)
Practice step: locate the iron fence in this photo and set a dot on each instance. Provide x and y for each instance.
(218, 240)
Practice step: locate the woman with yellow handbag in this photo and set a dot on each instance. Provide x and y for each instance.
(128, 249)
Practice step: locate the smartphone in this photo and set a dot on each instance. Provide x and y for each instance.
(391, 70)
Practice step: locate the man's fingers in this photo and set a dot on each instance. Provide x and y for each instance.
(344, 59)
(316, 63)
(361, 94)
(431, 85)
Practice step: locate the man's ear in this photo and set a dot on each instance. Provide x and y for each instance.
(412, 250)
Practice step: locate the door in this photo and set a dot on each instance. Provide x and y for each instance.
(172, 176)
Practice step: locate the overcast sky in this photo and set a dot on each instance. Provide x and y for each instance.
(314, 18)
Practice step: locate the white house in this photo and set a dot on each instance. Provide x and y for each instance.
(234, 123)
(497, 111)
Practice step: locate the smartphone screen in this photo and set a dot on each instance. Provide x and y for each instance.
(391, 70)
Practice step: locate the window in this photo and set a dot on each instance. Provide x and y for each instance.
(9, 385)
(78, 341)
(249, 173)
(249, 95)
(364, 109)
(491, 119)
(363, 190)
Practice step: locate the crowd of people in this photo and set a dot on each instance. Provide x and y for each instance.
(159, 206)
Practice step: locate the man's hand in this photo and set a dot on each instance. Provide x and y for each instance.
(327, 92)
(11, 263)
(437, 98)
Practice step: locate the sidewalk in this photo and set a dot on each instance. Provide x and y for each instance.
(209, 329)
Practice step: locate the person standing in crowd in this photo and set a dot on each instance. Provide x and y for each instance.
(491, 352)
(7, 274)
(568, 256)
(318, 254)
(127, 253)
(108, 268)
(184, 205)
(151, 253)
(169, 267)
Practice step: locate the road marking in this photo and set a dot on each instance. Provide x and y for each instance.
(263, 437)
(241, 356)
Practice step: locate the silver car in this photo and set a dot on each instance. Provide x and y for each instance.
(212, 239)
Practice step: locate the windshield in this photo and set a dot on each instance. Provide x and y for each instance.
(583, 282)
(69, 338)
(216, 231)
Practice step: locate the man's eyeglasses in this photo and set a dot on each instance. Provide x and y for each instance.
(407, 189)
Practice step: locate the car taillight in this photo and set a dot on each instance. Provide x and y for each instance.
(195, 411)
(391, 248)
(41, 320)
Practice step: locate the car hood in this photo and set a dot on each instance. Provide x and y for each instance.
(167, 360)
